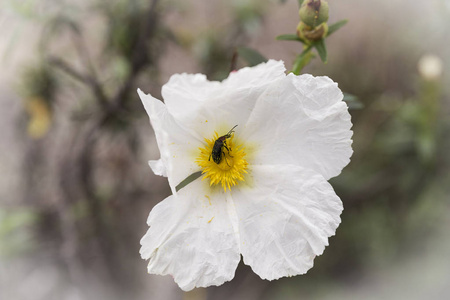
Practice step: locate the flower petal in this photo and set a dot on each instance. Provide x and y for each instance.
(285, 219)
(302, 120)
(158, 167)
(255, 77)
(175, 143)
(192, 238)
(185, 93)
(204, 106)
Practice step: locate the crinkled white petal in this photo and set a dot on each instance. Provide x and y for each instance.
(255, 77)
(301, 120)
(184, 94)
(174, 142)
(158, 167)
(206, 106)
(285, 219)
(191, 238)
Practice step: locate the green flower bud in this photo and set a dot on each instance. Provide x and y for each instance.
(309, 33)
(314, 12)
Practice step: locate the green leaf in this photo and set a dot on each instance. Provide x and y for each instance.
(350, 97)
(188, 180)
(321, 49)
(302, 60)
(253, 57)
(352, 101)
(336, 26)
(288, 37)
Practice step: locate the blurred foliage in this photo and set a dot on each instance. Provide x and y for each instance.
(39, 82)
(216, 47)
(16, 235)
(79, 180)
(397, 166)
(251, 56)
(39, 89)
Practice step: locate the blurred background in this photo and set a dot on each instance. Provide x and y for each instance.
(76, 190)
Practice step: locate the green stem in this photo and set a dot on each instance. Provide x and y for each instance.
(302, 60)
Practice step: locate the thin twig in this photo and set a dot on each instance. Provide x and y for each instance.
(96, 88)
(140, 57)
(83, 53)
(234, 58)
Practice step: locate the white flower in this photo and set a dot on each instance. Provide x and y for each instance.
(268, 198)
(430, 67)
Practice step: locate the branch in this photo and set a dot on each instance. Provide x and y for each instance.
(83, 53)
(95, 86)
(139, 58)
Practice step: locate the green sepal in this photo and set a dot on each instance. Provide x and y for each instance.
(289, 37)
(336, 26)
(251, 56)
(188, 180)
(300, 2)
(321, 49)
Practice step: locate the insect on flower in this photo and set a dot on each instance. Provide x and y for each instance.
(217, 150)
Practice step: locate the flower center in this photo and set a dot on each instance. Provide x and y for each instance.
(231, 165)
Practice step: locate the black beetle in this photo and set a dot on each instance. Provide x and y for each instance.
(221, 142)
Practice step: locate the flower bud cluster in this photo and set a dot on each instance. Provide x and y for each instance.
(313, 20)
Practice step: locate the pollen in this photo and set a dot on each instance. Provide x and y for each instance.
(232, 167)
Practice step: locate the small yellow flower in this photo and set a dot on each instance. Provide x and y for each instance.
(40, 117)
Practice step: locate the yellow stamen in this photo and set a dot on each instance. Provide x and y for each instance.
(231, 168)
